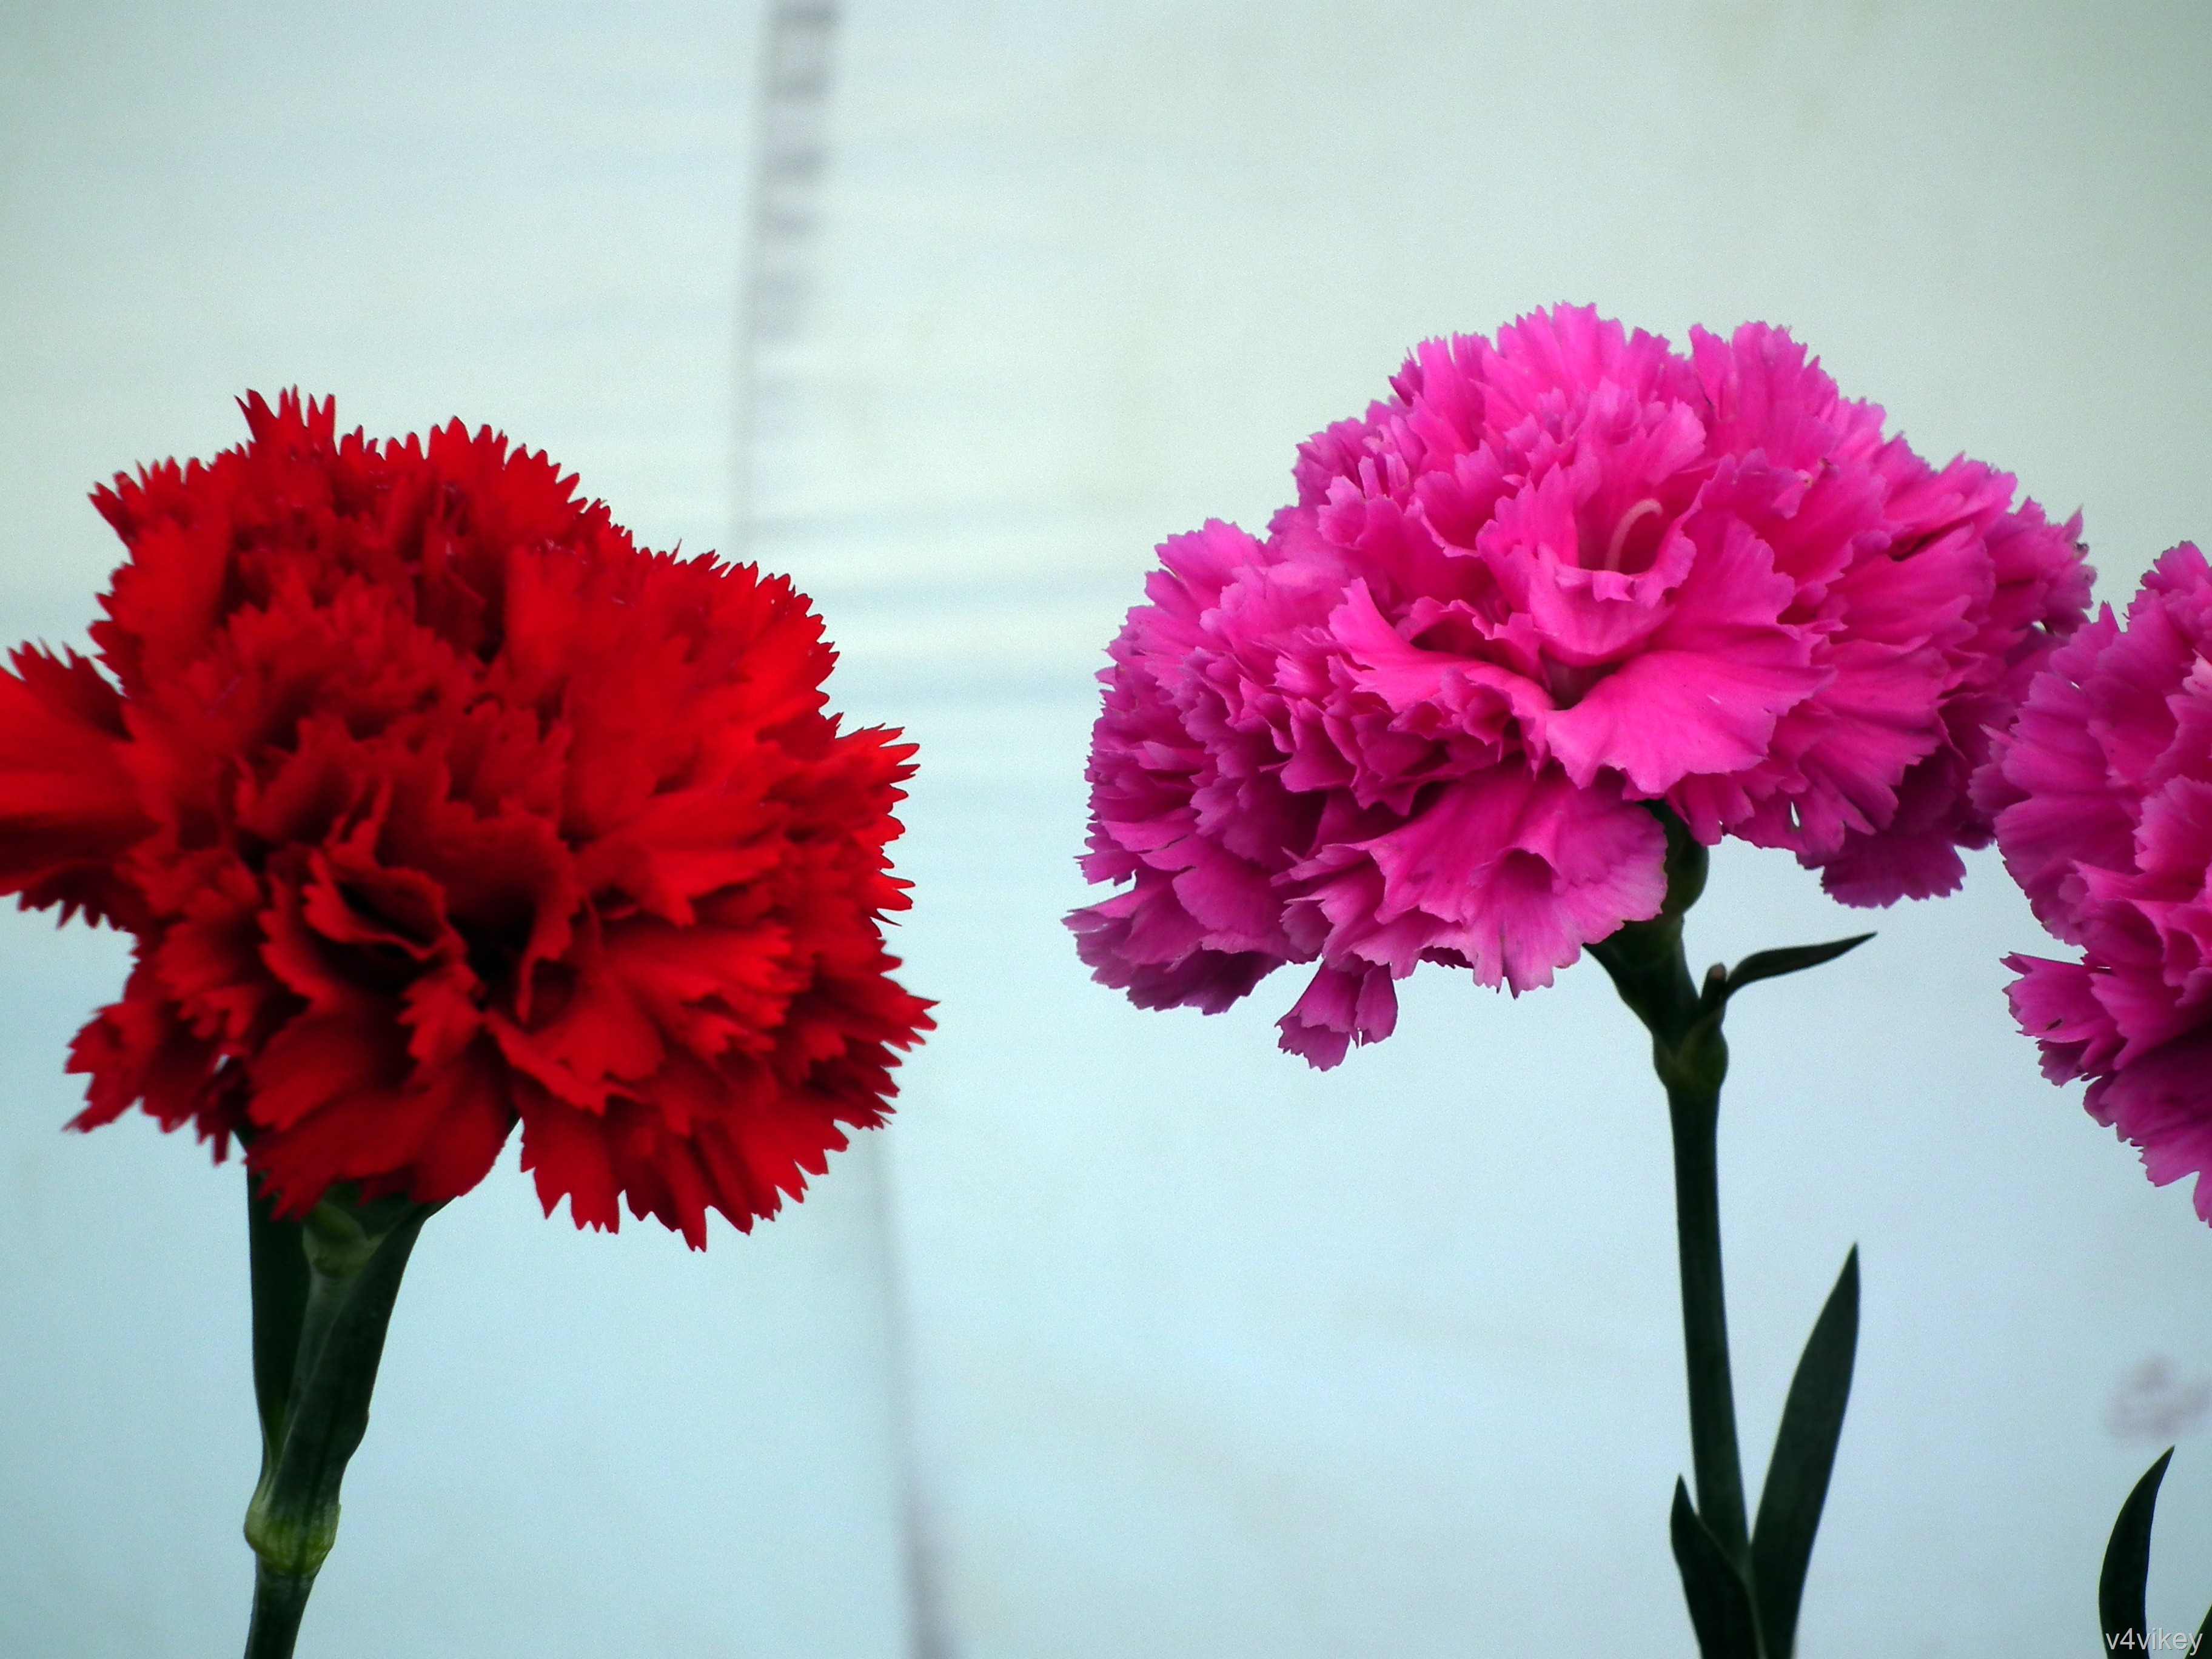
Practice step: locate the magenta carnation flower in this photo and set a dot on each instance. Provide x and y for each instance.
(2102, 793)
(1548, 584)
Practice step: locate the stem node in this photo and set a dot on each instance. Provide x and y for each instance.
(323, 1294)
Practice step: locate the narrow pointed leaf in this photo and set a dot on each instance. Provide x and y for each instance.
(2203, 1630)
(2127, 1559)
(1720, 1603)
(1804, 1456)
(1773, 964)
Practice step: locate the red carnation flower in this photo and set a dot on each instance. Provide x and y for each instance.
(434, 803)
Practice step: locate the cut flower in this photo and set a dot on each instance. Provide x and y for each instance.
(434, 803)
(2102, 793)
(1550, 585)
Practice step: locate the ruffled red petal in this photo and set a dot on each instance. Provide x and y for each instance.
(438, 805)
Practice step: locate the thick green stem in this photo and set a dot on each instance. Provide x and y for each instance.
(323, 1292)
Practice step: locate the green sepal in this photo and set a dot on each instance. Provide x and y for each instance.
(294, 1516)
(1791, 959)
(1720, 1601)
(280, 1281)
(324, 1287)
(1804, 1456)
(2127, 1560)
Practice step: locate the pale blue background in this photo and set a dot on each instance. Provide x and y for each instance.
(1132, 1337)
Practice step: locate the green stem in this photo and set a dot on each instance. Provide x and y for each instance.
(1652, 973)
(1713, 1449)
(1743, 1587)
(323, 1293)
(279, 1598)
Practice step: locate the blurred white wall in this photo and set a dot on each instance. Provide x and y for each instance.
(1203, 1353)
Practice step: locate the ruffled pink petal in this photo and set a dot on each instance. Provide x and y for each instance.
(2062, 813)
(2055, 1004)
(1570, 349)
(1142, 941)
(1583, 615)
(1518, 872)
(1547, 577)
(2103, 792)
(1876, 870)
(1768, 398)
(2162, 1102)
(1340, 1008)
(1706, 693)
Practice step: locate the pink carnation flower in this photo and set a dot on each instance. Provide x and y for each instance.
(1549, 582)
(2102, 793)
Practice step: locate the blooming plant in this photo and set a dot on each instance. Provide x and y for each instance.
(435, 806)
(2102, 795)
(1538, 630)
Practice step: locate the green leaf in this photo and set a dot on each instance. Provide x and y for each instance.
(1720, 1601)
(1795, 958)
(2127, 1559)
(1804, 1454)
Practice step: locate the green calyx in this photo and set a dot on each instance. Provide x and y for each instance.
(1646, 962)
(341, 1235)
(324, 1288)
(1650, 969)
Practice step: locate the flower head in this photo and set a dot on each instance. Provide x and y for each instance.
(435, 803)
(1551, 584)
(2102, 793)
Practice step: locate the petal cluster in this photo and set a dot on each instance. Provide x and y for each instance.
(435, 805)
(2102, 793)
(1552, 583)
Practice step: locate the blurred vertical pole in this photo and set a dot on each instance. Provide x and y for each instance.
(798, 61)
(790, 145)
